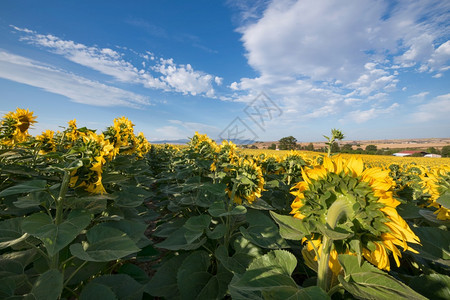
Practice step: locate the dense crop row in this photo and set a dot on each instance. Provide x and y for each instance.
(88, 215)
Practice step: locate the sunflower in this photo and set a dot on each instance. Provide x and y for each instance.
(366, 197)
(15, 126)
(121, 136)
(201, 147)
(98, 151)
(143, 146)
(271, 164)
(226, 153)
(72, 133)
(436, 183)
(249, 182)
(47, 141)
(292, 164)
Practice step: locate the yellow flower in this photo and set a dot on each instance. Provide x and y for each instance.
(99, 151)
(252, 187)
(15, 126)
(364, 189)
(121, 136)
(309, 254)
(435, 183)
(47, 141)
(143, 146)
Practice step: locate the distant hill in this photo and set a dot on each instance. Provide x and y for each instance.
(185, 141)
(174, 142)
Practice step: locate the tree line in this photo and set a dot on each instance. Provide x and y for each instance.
(290, 143)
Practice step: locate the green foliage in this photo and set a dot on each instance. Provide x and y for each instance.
(60, 241)
(288, 143)
(336, 134)
(55, 237)
(367, 282)
(445, 151)
(433, 150)
(346, 148)
(371, 149)
(49, 228)
(309, 147)
(433, 286)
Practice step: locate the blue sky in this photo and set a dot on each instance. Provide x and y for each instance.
(261, 69)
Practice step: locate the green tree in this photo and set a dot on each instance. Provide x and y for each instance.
(433, 150)
(288, 143)
(347, 148)
(445, 152)
(371, 149)
(335, 148)
(418, 154)
(310, 147)
(273, 146)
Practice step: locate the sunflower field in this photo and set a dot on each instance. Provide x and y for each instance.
(105, 215)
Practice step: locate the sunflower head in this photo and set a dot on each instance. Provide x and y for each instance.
(248, 183)
(340, 188)
(292, 164)
(15, 125)
(25, 119)
(271, 164)
(95, 151)
(47, 141)
(202, 147)
(435, 184)
(143, 146)
(121, 136)
(226, 153)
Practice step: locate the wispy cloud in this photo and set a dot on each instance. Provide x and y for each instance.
(180, 130)
(437, 109)
(78, 89)
(361, 116)
(162, 74)
(151, 29)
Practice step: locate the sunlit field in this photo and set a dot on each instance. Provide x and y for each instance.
(89, 212)
(380, 160)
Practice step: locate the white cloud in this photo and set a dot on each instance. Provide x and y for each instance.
(440, 59)
(374, 79)
(169, 133)
(435, 110)
(323, 58)
(361, 116)
(169, 75)
(195, 126)
(322, 40)
(182, 130)
(218, 80)
(184, 79)
(418, 98)
(77, 88)
(421, 95)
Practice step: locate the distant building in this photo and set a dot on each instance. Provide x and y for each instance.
(409, 153)
(432, 155)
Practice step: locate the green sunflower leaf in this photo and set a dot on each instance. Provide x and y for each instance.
(368, 282)
(290, 227)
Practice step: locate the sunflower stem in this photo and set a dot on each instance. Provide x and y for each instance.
(228, 219)
(341, 207)
(59, 211)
